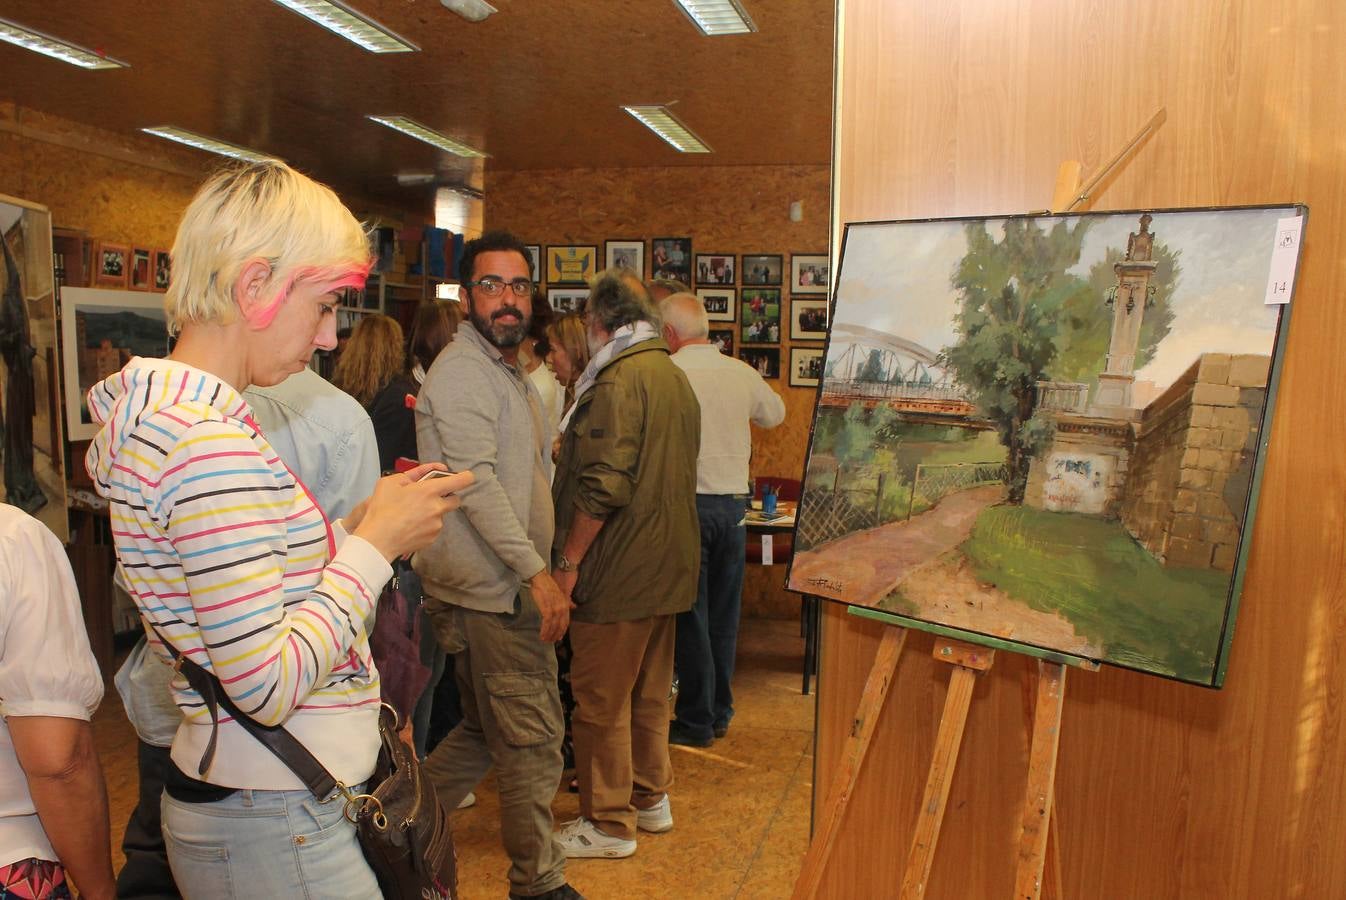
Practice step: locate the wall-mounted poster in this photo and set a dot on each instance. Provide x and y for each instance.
(762, 268)
(163, 269)
(761, 316)
(31, 437)
(671, 257)
(808, 273)
(534, 261)
(806, 366)
(142, 269)
(1050, 430)
(111, 264)
(628, 255)
(571, 264)
(568, 300)
(715, 268)
(719, 303)
(101, 331)
(723, 340)
(808, 319)
(766, 360)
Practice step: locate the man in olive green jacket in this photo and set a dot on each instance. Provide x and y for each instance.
(627, 551)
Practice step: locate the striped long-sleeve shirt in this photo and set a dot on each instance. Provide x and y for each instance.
(230, 559)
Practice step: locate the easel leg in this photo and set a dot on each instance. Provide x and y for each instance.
(853, 754)
(1037, 811)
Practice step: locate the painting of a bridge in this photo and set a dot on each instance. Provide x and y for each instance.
(1048, 431)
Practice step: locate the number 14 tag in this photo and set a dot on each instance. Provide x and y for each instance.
(1284, 258)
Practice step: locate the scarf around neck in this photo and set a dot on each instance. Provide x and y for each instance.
(627, 335)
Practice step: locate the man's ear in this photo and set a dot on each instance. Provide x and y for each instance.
(250, 286)
(670, 336)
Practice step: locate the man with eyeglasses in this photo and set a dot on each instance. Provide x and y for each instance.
(488, 589)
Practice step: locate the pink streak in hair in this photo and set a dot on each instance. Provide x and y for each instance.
(329, 278)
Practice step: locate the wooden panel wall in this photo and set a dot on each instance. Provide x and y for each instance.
(1164, 790)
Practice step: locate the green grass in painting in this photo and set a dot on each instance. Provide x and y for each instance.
(1091, 571)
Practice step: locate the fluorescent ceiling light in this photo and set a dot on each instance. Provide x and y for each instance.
(472, 10)
(429, 135)
(663, 123)
(715, 17)
(201, 142)
(56, 49)
(353, 26)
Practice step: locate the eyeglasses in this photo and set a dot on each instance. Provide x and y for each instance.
(492, 286)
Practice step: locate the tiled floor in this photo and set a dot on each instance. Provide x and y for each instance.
(741, 807)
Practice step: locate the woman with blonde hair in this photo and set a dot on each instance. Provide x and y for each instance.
(238, 576)
(373, 370)
(569, 352)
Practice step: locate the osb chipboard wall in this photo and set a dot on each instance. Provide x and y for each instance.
(1163, 790)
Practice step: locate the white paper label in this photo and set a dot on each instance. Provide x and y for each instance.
(1284, 256)
(766, 550)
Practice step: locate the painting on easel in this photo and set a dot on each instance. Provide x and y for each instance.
(1049, 430)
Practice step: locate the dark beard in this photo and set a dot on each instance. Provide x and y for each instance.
(503, 337)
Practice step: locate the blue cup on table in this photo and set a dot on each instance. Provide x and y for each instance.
(769, 497)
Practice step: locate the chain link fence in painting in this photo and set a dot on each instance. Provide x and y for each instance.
(932, 483)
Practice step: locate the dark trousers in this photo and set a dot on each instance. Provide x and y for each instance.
(146, 873)
(708, 632)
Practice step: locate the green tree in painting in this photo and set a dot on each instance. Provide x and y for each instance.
(1012, 293)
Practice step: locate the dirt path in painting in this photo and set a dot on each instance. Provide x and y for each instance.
(864, 567)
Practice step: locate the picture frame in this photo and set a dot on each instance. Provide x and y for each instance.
(534, 262)
(625, 254)
(101, 330)
(808, 320)
(571, 263)
(723, 340)
(671, 257)
(163, 270)
(766, 360)
(761, 269)
(140, 275)
(719, 303)
(112, 263)
(760, 321)
(716, 268)
(567, 300)
(809, 273)
(806, 366)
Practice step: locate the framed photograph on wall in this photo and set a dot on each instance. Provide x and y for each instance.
(766, 360)
(715, 268)
(808, 320)
(761, 268)
(534, 261)
(625, 255)
(568, 300)
(760, 321)
(163, 269)
(723, 340)
(671, 257)
(806, 366)
(571, 263)
(719, 303)
(111, 264)
(101, 331)
(141, 271)
(808, 273)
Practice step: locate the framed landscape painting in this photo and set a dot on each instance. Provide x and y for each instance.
(1047, 433)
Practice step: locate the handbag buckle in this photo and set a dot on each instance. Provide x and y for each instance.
(351, 809)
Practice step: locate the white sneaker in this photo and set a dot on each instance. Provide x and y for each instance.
(581, 839)
(657, 819)
(469, 800)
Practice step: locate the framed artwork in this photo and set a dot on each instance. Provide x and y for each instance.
(808, 273)
(534, 262)
(715, 268)
(568, 300)
(808, 320)
(806, 366)
(671, 257)
(112, 263)
(625, 255)
(760, 322)
(762, 268)
(1071, 414)
(163, 269)
(571, 263)
(723, 340)
(102, 330)
(766, 360)
(141, 271)
(719, 303)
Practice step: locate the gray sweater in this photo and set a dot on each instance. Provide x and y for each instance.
(474, 413)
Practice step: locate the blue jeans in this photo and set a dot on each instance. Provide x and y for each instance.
(265, 844)
(708, 632)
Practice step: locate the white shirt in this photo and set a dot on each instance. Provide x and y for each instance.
(553, 396)
(46, 666)
(731, 394)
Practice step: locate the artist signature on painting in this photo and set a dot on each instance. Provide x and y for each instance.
(827, 584)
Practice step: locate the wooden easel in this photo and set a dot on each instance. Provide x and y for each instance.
(1037, 865)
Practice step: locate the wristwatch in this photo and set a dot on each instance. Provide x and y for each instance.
(564, 564)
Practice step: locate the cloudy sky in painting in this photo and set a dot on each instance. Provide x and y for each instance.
(895, 278)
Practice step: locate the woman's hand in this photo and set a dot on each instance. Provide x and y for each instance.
(406, 510)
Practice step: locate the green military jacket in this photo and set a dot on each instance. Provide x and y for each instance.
(629, 458)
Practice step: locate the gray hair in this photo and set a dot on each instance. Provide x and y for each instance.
(686, 315)
(617, 298)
